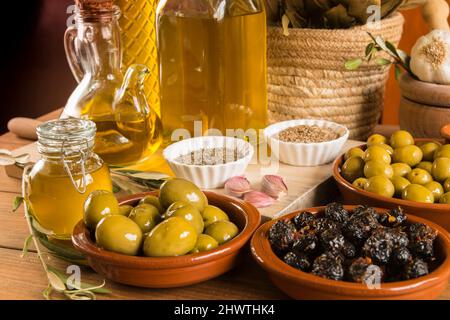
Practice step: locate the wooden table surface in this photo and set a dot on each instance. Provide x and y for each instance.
(24, 278)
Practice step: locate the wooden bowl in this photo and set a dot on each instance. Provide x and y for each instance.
(436, 212)
(301, 285)
(424, 107)
(168, 272)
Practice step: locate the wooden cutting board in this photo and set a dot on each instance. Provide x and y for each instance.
(307, 186)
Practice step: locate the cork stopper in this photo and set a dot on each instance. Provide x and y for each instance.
(95, 5)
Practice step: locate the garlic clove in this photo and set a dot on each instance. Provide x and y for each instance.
(237, 186)
(259, 199)
(274, 186)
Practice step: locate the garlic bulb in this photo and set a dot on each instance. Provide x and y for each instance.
(430, 57)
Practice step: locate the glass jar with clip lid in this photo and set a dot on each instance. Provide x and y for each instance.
(68, 171)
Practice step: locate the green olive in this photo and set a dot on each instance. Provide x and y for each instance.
(172, 237)
(222, 231)
(425, 165)
(146, 216)
(353, 169)
(377, 153)
(124, 210)
(400, 184)
(119, 234)
(445, 198)
(436, 189)
(428, 149)
(442, 152)
(419, 176)
(401, 169)
(182, 190)
(376, 139)
(354, 152)
(388, 148)
(377, 168)
(447, 185)
(418, 193)
(205, 243)
(381, 185)
(441, 169)
(411, 155)
(400, 139)
(154, 201)
(360, 183)
(212, 214)
(98, 204)
(186, 211)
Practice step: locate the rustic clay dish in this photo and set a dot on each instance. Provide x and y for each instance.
(445, 133)
(436, 212)
(301, 285)
(168, 272)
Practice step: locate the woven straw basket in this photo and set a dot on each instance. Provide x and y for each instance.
(307, 78)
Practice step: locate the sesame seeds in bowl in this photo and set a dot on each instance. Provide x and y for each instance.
(306, 142)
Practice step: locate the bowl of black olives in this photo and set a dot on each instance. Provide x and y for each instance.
(354, 252)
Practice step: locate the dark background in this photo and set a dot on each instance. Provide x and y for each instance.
(35, 77)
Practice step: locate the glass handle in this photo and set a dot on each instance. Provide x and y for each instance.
(72, 58)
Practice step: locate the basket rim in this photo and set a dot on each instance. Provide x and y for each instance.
(386, 22)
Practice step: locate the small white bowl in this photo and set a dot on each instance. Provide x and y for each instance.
(208, 176)
(305, 154)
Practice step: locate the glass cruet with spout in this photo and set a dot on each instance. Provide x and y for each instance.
(94, 54)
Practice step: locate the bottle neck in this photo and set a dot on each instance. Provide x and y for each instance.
(99, 42)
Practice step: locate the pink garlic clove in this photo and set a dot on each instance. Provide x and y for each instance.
(259, 199)
(237, 186)
(274, 186)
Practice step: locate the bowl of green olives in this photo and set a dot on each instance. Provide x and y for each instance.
(398, 171)
(175, 237)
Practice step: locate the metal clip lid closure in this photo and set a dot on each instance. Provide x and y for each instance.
(70, 140)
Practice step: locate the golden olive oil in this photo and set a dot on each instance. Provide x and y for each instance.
(138, 36)
(125, 140)
(55, 202)
(213, 71)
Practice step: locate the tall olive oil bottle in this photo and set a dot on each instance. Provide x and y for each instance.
(212, 64)
(137, 24)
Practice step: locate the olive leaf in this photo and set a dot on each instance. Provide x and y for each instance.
(399, 58)
(398, 72)
(17, 202)
(383, 61)
(56, 282)
(83, 285)
(353, 64)
(135, 181)
(26, 245)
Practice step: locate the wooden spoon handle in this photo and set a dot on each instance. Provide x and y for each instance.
(24, 127)
(435, 13)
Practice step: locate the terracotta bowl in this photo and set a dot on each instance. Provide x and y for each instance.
(445, 133)
(168, 272)
(437, 213)
(301, 285)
